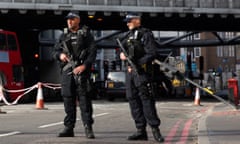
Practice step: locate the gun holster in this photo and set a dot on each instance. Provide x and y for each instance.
(77, 78)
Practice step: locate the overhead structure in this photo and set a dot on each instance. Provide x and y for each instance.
(211, 15)
(175, 42)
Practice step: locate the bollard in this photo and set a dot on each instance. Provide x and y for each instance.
(233, 91)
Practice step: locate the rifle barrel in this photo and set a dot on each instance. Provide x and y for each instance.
(125, 53)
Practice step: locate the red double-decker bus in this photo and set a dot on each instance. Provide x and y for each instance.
(11, 69)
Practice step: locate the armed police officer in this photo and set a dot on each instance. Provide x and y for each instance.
(140, 47)
(76, 52)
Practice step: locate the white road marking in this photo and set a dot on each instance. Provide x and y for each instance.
(101, 114)
(9, 134)
(49, 125)
(60, 123)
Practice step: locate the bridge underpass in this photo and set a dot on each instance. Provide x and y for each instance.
(174, 15)
(25, 16)
(187, 22)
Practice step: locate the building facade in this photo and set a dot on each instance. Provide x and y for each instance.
(220, 62)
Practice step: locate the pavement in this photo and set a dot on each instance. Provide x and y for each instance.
(220, 125)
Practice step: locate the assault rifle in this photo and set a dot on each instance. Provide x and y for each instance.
(177, 72)
(71, 63)
(126, 54)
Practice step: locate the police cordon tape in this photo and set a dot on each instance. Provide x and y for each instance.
(26, 91)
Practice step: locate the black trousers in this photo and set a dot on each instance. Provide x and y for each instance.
(142, 103)
(71, 92)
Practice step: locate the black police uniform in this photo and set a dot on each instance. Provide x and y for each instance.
(140, 46)
(80, 47)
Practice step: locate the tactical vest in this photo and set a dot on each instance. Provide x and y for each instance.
(76, 43)
(135, 46)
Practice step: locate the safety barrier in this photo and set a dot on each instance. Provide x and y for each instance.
(26, 91)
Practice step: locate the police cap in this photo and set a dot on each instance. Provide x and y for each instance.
(72, 15)
(131, 16)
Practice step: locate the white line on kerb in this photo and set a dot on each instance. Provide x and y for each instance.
(9, 134)
(60, 123)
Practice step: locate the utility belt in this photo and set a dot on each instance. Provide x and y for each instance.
(142, 68)
(84, 79)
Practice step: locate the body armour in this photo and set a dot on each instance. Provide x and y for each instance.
(141, 47)
(75, 42)
(134, 45)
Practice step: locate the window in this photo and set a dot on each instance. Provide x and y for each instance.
(3, 79)
(12, 44)
(226, 51)
(197, 36)
(17, 73)
(220, 51)
(232, 51)
(2, 42)
(117, 76)
(197, 52)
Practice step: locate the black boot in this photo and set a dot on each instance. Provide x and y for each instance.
(157, 135)
(89, 132)
(67, 132)
(141, 134)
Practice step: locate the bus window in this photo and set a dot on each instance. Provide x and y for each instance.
(17, 73)
(12, 44)
(3, 80)
(2, 41)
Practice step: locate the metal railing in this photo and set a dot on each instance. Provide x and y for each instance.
(150, 3)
